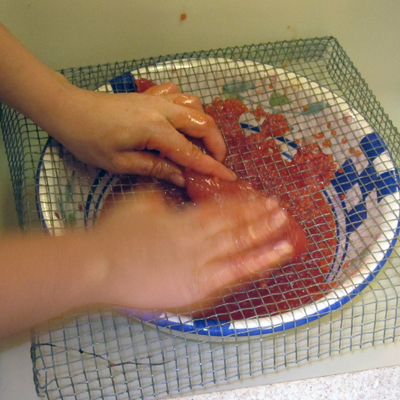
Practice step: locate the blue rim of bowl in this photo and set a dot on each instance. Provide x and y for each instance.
(94, 201)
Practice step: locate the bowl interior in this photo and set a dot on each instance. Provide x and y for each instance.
(364, 192)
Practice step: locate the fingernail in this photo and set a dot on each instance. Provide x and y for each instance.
(179, 180)
(271, 202)
(283, 247)
(234, 176)
(279, 218)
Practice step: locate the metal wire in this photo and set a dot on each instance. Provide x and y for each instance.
(116, 354)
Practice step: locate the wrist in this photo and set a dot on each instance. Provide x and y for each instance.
(44, 277)
(91, 272)
(76, 270)
(51, 103)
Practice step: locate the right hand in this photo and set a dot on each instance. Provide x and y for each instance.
(156, 257)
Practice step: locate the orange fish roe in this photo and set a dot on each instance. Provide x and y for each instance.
(271, 86)
(342, 196)
(183, 17)
(305, 108)
(298, 184)
(352, 151)
(258, 112)
(344, 140)
(333, 132)
(319, 135)
(274, 124)
(358, 153)
(326, 143)
(143, 84)
(329, 125)
(340, 171)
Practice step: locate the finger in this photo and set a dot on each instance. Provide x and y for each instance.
(232, 213)
(186, 100)
(245, 237)
(208, 130)
(198, 125)
(222, 273)
(176, 147)
(164, 89)
(149, 164)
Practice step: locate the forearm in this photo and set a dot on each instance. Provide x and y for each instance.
(27, 84)
(113, 132)
(42, 277)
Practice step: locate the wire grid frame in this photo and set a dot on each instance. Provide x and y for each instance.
(96, 354)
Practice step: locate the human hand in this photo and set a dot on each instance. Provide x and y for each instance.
(140, 133)
(123, 133)
(152, 256)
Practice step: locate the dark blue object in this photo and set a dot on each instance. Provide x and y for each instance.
(343, 181)
(368, 180)
(124, 83)
(372, 146)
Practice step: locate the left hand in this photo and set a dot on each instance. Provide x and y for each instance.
(143, 134)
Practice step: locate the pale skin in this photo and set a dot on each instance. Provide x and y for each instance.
(142, 247)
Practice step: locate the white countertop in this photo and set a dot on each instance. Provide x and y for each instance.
(381, 383)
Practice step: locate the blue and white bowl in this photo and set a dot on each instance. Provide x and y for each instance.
(365, 194)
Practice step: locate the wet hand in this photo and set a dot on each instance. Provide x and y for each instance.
(156, 257)
(144, 133)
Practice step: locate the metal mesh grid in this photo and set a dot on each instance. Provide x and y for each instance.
(108, 354)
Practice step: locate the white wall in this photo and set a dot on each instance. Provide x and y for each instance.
(73, 33)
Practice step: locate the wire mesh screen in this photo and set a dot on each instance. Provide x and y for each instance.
(300, 124)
